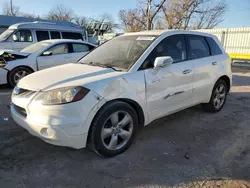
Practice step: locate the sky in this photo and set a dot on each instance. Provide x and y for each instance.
(238, 14)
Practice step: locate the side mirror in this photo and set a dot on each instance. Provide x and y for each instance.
(14, 37)
(47, 53)
(163, 61)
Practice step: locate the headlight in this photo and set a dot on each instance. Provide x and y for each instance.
(62, 95)
(3, 63)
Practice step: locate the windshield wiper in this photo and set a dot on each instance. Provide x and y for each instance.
(102, 65)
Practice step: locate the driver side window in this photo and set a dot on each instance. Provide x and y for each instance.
(22, 36)
(173, 46)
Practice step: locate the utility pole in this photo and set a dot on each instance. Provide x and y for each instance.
(11, 8)
(149, 15)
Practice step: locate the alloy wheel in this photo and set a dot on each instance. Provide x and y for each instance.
(20, 74)
(219, 96)
(117, 130)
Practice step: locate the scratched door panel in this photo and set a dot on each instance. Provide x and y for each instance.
(169, 89)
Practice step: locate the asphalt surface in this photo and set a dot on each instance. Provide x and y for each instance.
(191, 148)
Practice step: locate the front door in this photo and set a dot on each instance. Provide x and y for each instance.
(168, 89)
(54, 56)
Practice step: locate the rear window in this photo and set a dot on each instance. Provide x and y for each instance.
(55, 35)
(198, 47)
(215, 49)
(42, 35)
(68, 35)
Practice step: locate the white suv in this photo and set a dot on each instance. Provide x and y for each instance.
(121, 86)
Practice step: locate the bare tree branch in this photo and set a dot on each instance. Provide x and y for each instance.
(195, 14)
(132, 20)
(60, 13)
(11, 10)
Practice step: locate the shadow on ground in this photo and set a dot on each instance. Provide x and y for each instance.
(185, 149)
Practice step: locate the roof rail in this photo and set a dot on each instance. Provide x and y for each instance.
(44, 22)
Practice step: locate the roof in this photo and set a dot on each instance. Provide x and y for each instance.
(55, 41)
(160, 32)
(150, 32)
(10, 20)
(46, 25)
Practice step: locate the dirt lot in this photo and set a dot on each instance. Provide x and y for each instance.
(188, 149)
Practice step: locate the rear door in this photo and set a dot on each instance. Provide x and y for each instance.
(54, 56)
(79, 50)
(205, 67)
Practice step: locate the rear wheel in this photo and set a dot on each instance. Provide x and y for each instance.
(113, 129)
(218, 97)
(16, 74)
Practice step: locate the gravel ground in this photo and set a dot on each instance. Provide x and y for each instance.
(187, 149)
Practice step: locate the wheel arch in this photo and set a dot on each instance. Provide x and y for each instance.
(227, 80)
(138, 109)
(20, 66)
(135, 105)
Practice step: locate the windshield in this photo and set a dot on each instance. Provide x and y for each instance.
(35, 47)
(121, 52)
(6, 34)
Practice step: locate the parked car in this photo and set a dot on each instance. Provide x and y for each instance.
(121, 86)
(15, 65)
(21, 35)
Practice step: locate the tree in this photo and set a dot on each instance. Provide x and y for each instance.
(142, 17)
(60, 13)
(82, 21)
(194, 14)
(11, 10)
(132, 20)
(107, 18)
(151, 13)
(211, 16)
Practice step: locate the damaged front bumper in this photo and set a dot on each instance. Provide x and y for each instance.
(5, 57)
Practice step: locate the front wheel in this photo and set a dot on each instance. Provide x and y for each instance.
(113, 129)
(16, 74)
(218, 97)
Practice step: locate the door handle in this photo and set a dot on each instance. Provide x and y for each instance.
(214, 63)
(187, 71)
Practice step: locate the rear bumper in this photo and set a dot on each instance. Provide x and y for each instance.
(3, 76)
(50, 134)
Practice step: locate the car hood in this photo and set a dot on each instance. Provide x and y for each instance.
(12, 52)
(73, 74)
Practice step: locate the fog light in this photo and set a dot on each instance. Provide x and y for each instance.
(48, 133)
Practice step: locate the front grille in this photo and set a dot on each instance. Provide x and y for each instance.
(20, 110)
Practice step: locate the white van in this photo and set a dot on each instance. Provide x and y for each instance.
(21, 35)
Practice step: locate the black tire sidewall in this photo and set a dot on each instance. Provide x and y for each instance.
(11, 74)
(99, 120)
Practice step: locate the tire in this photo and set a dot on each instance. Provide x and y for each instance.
(99, 139)
(211, 106)
(13, 78)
